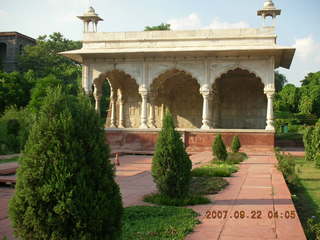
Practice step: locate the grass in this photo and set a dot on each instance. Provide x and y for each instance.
(160, 199)
(214, 170)
(144, 223)
(14, 159)
(307, 195)
(207, 185)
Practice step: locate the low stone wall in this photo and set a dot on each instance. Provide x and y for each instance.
(195, 140)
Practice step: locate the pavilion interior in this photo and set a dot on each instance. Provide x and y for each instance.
(238, 100)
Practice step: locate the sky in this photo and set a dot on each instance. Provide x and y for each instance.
(298, 26)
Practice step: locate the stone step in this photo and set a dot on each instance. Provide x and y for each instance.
(8, 168)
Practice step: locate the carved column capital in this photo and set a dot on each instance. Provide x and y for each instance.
(205, 90)
(269, 92)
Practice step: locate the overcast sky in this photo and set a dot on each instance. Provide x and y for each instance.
(298, 25)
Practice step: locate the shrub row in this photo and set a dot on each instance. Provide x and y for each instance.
(311, 140)
(286, 164)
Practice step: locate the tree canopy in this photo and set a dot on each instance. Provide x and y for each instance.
(43, 58)
(161, 27)
(280, 80)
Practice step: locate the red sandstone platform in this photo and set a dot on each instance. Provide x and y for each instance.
(195, 140)
(258, 186)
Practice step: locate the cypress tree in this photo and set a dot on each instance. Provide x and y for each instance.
(171, 165)
(219, 149)
(236, 145)
(65, 186)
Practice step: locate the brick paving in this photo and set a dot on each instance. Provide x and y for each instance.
(258, 186)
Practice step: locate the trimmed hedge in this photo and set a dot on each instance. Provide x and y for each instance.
(219, 149)
(171, 165)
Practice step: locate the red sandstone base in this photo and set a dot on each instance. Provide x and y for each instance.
(195, 141)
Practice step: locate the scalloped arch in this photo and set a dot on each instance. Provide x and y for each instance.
(103, 77)
(231, 67)
(175, 68)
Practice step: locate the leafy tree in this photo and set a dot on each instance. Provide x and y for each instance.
(161, 27)
(171, 165)
(311, 79)
(15, 89)
(280, 81)
(39, 92)
(65, 186)
(43, 58)
(219, 149)
(310, 100)
(288, 99)
(235, 145)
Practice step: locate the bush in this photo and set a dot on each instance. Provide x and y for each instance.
(236, 145)
(14, 127)
(286, 164)
(214, 170)
(65, 186)
(307, 142)
(315, 143)
(317, 160)
(313, 229)
(219, 149)
(171, 165)
(235, 158)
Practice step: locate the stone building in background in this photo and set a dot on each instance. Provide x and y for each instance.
(212, 81)
(11, 46)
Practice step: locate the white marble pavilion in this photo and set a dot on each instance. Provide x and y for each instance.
(213, 80)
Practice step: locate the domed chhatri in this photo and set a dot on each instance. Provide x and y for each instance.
(269, 10)
(90, 17)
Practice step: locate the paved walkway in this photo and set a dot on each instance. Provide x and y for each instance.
(257, 190)
(258, 186)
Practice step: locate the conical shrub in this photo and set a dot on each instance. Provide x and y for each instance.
(235, 145)
(219, 149)
(171, 165)
(65, 186)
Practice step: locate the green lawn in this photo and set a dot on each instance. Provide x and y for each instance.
(144, 222)
(14, 159)
(307, 196)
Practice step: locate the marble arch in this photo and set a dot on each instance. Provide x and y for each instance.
(166, 94)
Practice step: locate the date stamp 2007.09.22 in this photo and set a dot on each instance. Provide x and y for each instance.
(254, 214)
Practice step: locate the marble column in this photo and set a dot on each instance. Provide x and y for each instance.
(151, 120)
(270, 95)
(97, 94)
(121, 109)
(143, 91)
(206, 94)
(113, 109)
